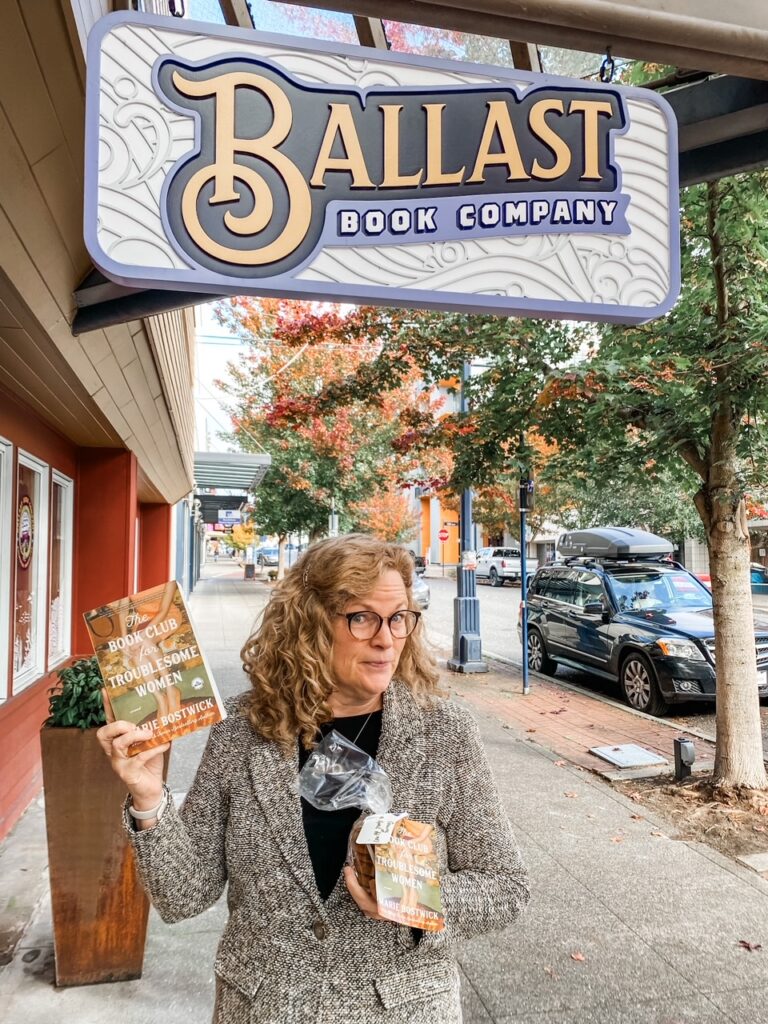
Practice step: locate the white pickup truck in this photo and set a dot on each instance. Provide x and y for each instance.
(497, 565)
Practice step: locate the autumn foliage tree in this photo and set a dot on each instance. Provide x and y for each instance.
(688, 394)
(322, 457)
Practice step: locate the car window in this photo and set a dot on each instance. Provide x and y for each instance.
(589, 589)
(652, 590)
(560, 587)
(537, 584)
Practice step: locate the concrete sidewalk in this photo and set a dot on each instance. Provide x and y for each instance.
(626, 926)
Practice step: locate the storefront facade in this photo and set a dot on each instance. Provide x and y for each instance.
(96, 431)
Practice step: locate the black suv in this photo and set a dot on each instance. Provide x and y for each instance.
(618, 607)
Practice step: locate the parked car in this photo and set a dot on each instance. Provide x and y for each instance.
(758, 576)
(420, 591)
(419, 562)
(266, 556)
(621, 609)
(497, 565)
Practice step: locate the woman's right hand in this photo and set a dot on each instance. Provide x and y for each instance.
(142, 773)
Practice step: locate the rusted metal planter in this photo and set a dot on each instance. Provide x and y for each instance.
(100, 910)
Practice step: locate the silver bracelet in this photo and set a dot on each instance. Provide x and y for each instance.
(154, 812)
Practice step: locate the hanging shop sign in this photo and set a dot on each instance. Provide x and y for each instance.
(227, 161)
(230, 517)
(25, 531)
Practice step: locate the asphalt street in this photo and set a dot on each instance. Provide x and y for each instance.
(499, 608)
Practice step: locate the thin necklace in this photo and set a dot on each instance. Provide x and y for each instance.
(362, 729)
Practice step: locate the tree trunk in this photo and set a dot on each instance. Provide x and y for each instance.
(720, 503)
(281, 539)
(739, 750)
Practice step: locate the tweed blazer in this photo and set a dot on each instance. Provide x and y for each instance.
(288, 957)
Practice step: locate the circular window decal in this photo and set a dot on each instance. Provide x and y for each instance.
(25, 528)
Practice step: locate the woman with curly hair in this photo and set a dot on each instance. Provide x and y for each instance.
(340, 646)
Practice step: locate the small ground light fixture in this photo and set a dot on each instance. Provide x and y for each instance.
(685, 755)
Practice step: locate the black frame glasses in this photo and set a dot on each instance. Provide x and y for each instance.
(410, 622)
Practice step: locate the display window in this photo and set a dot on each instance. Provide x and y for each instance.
(60, 590)
(6, 532)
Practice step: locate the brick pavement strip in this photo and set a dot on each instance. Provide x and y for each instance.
(569, 723)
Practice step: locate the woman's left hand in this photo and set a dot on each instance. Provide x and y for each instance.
(362, 898)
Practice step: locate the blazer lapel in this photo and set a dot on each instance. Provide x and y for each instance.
(274, 773)
(402, 744)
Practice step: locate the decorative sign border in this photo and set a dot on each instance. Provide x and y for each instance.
(25, 531)
(470, 245)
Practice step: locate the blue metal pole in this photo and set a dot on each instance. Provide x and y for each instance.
(524, 591)
(467, 643)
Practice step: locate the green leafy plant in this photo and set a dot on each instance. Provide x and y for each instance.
(76, 701)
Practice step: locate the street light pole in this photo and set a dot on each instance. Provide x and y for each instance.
(526, 502)
(524, 584)
(467, 642)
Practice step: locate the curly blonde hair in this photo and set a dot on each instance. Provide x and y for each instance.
(288, 656)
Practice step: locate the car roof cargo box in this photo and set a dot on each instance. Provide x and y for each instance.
(613, 542)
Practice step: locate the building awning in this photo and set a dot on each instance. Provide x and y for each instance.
(238, 471)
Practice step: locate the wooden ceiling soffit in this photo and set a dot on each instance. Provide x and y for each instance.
(671, 36)
(34, 369)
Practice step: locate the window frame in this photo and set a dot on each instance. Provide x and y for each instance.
(40, 561)
(7, 544)
(67, 484)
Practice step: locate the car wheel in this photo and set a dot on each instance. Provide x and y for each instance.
(496, 580)
(538, 660)
(641, 691)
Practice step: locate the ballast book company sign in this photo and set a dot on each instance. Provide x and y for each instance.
(227, 161)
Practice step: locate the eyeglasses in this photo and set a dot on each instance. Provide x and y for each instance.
(366, 625)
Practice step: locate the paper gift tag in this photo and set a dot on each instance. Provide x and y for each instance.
(378, 828)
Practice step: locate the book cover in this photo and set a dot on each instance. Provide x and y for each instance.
(155, 674)
(402, 873)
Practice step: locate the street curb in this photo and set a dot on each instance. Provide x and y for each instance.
(599, 696)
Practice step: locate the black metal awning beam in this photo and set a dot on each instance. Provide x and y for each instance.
(103, 303)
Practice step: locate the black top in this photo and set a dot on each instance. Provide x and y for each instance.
(327, 832)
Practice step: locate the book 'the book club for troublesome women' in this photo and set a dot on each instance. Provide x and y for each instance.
(155, 674)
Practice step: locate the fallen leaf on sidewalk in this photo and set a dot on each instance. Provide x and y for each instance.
(560, 764)
(530, 730)
(571, 795)
(637, 817)
(660, 834)
(637, 797)
(617, 839)
(591, 815)
(578, 957)
(548, 969)
(751, 947)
